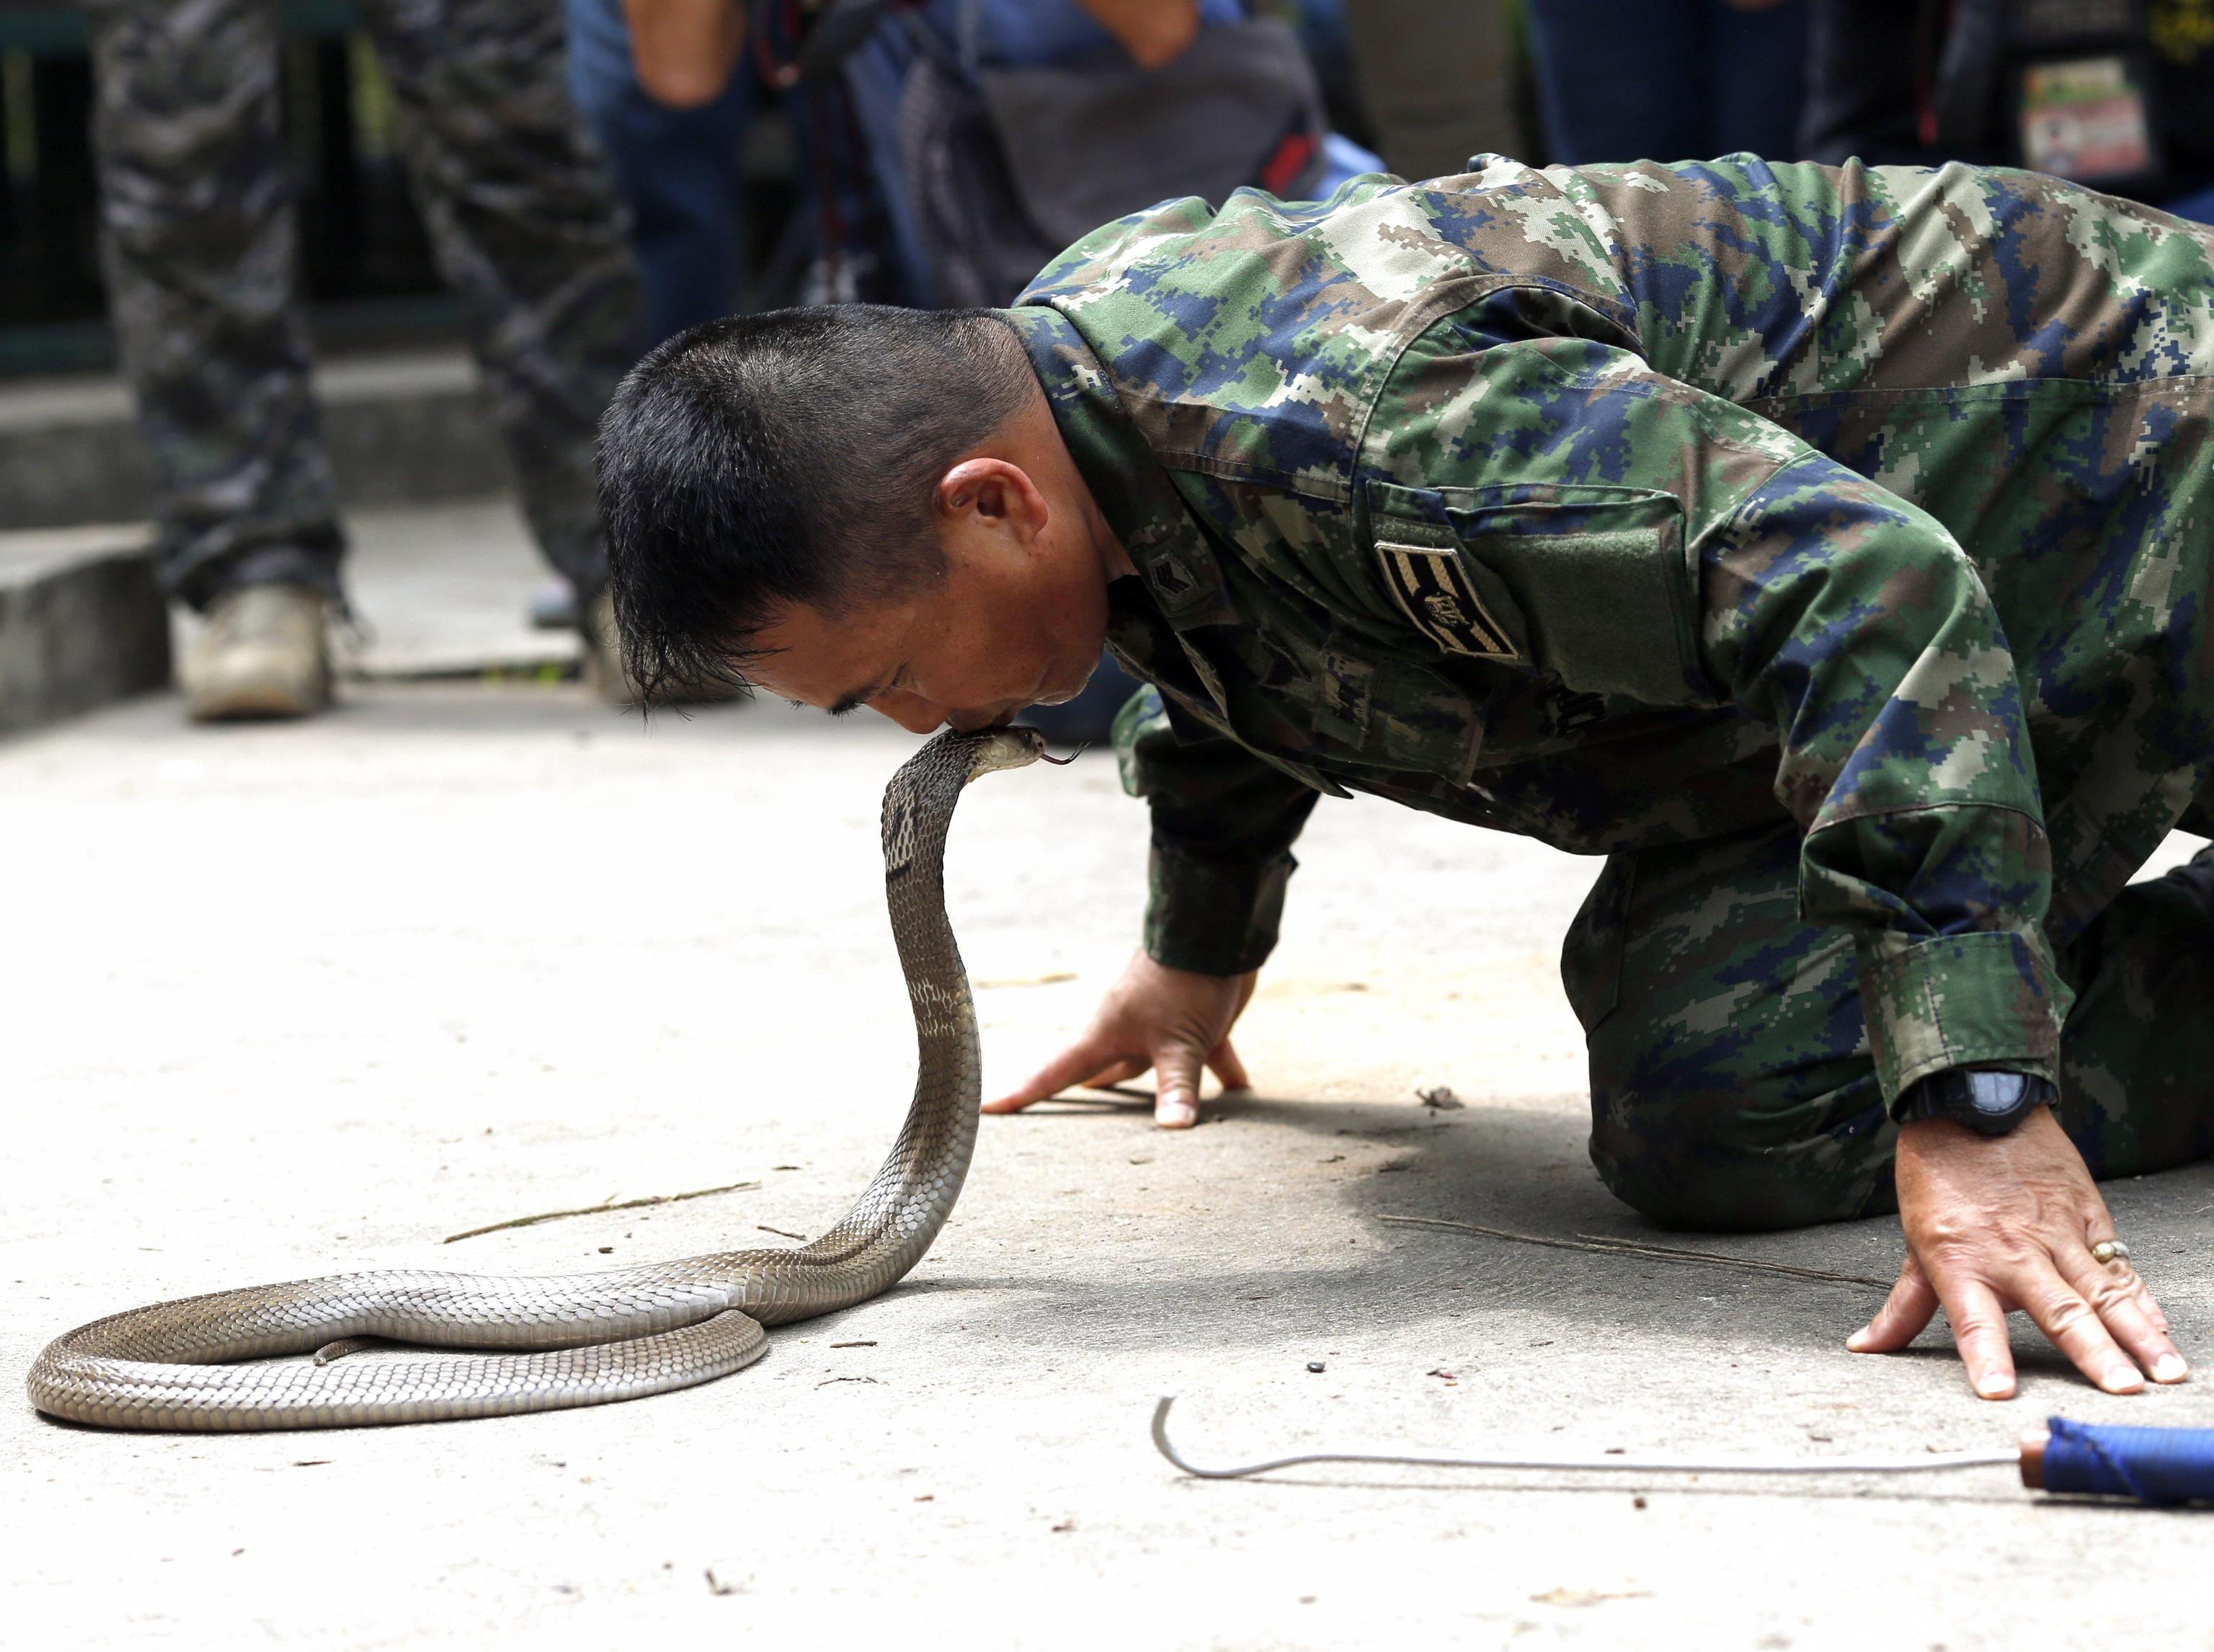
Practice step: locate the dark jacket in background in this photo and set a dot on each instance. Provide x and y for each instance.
(1924, 82)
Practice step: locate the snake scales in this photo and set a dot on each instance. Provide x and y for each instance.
(576, 1339)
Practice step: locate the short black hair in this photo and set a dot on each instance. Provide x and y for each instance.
(788, 458)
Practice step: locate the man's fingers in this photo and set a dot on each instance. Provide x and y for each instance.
(1072, 1066)
(1979, 1331)
(2146, 1301)
(2076, 1260)
(1909, 1306)
(2063, 1314)
(1115, 1072)
(2121, 1301)
(1224, 1060)
(1176, 1097)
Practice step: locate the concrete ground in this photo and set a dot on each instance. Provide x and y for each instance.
(292, 1000)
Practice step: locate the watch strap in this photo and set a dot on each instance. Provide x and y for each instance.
(1990, 1103)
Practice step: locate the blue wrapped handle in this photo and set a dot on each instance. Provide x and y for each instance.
(2160, 1466)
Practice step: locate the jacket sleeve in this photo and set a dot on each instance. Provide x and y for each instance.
(1864, 635)
(1685, 551)
(1224, 821)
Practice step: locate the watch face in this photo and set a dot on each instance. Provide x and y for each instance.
(1995, 1094)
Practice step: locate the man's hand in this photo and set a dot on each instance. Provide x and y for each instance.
(1168, 1019)
(1155, 33)
(683, 50)
(1996, 1224)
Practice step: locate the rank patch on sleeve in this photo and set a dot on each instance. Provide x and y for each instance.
(1433, 587)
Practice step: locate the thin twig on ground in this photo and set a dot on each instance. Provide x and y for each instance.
(595, 1210)
(1651, 1253)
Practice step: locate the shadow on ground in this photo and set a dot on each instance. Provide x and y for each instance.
(1523, 1170)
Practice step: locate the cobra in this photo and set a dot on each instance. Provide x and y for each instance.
(540, 1344)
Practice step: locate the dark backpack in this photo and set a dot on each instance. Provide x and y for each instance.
(1003, 168)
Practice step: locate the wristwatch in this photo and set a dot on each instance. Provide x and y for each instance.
(1990, 1104)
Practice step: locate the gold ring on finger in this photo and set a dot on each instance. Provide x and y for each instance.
(2110, 1250)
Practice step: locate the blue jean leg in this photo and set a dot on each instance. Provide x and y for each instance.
(1667, 80)
(678, 170)
(2198, 206)
(1621, 80)
(1757, 79)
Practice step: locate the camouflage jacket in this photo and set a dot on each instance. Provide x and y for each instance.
(1620, 506)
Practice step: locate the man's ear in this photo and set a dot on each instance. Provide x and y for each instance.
(993, 492)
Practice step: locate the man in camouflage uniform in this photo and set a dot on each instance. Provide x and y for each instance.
(1830, 549)
(199, 250)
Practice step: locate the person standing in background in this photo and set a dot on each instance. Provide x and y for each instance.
(1668, 80)
(664, 86)
(2183, 34)
(2114, 94)
(200, 251)
(1434, 80)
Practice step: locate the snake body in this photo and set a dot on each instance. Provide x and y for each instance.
(576, 1339)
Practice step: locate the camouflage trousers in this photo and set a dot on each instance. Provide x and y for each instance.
(1732, 1086)
(200, 246)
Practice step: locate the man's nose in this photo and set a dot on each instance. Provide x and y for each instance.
(911, 712)
(970, 722)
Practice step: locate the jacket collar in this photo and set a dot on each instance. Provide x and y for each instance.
(1158, 529)
(1141, 504)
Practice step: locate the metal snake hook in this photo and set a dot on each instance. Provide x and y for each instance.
(1161, 1442)
(1921, 1463)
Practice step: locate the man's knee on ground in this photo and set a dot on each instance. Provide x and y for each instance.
(1738, 1162)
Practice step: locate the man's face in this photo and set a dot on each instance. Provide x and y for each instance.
(1018, 618)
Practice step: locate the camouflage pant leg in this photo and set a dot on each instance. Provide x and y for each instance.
(199, 245)
(524, 222)
(2136, 1054)
(1732, 1086)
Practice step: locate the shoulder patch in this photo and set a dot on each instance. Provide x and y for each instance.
(1432, 587)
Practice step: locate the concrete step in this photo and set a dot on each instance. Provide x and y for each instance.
(81, 623)
(439, 592)
(405, 428)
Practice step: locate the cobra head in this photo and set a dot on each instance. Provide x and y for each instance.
(998, 748)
